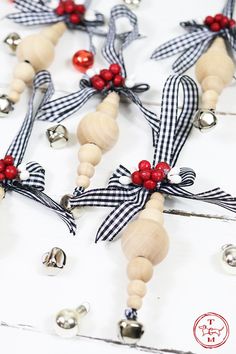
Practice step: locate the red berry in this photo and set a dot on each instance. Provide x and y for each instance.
(215, 27)
(218, 17)
(2, 166)
(149, 184)
(2, 177)
(158, 175)
(209, 20)
(11, 172)
(136, 179)
(75, 18)
(232, 23)
(144, 165)
(80, 8)
(8, 160)
(69, 7)
(224, 22)
(145, 174)
(60, 10)
(98, 83)
(118, 81)
(115, 69)
(163, 166)
(106, 75)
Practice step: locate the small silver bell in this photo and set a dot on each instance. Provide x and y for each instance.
(65, 203)
(67, 321)
(130, 331)
(205, 119)
(6, 106)
(57, 136)
(228, 258)
(12, 41)
(54, 261)
(132, 3)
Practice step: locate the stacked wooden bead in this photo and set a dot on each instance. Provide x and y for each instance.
(145, 243)
(214, 71)
(97, 132)
(35, 53)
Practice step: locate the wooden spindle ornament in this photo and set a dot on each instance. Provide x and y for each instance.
(214, 71)
(145, 243)
(2, 193)
(97, 132)
(35, 53)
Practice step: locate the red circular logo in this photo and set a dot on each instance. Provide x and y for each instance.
(211, 330)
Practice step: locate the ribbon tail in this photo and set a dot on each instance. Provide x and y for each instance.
(119, 217)
(29, 5)
(190, 57)
(36, 18)
(215, 196)
(180, 44)
(150, 116)
(61, 108)
(45, 200)
(228, 9)
(101, 197)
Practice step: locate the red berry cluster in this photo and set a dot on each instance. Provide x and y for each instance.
(74, 12)
(149, 177)
(7, 169)
(219, 22)
(108, 78)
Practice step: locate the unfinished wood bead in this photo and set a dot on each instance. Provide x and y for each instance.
(158, 196)
(140, 268)
(90, 153)
(152, 214)
(214, 70)
(137, 287)
(155, 203)
(14, 96)
(18, 85)
(2, 193)
(110, 105)
(37, 50)
(209, 99)
(134, 302)
(145, 238)
(54, 32)
(86, 169)
(98, 128)
(24, 72)
(83, 181)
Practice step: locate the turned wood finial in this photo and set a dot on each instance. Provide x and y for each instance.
(97, 132)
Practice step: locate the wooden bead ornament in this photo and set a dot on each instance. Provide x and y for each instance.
(144, 240)
(212, 54)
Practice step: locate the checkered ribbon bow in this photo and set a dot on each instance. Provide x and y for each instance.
(33, 187)
(38, 13)
(59, 109)
(128, 200)
(193, 44)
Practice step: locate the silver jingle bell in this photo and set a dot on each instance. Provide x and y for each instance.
(132, 3)
(228, 258)
(67, 321)
(130, 331)
(65, 203)
(205, 119)
(54, 261)
(12, 41)
(6, 106)
(57, 136)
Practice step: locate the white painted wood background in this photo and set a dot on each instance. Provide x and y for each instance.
(188, 283)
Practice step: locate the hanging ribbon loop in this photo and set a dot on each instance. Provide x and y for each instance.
(33, 186)
(128, 200)
(61, 108)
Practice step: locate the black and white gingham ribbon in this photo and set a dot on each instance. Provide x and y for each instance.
(34, 186)
(38, 13)
(193, 44)
(128, 200)
(59, 109)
